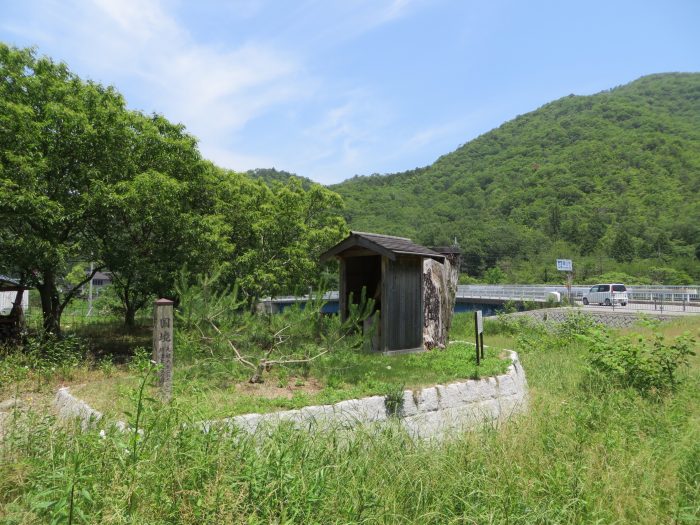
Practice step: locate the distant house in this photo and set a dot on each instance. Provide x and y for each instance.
(101, 279)
(8, 294)
(11, 322)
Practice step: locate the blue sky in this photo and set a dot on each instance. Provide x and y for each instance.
(330, 89)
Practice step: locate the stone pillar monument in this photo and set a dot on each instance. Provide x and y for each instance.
(163, 345)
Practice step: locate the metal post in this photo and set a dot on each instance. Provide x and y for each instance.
(89, 312)
(476, 335)
(163, 345)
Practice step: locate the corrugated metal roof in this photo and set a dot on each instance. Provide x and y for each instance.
(8, 280)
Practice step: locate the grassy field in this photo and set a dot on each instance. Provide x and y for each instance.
(218, 387)
(588, 451)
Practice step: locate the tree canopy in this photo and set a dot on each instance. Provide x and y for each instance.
(82, 177)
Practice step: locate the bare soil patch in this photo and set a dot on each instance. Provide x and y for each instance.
(271, 391)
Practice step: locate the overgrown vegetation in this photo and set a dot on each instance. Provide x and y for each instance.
(649, 365)
(258, 341)
(591, 449)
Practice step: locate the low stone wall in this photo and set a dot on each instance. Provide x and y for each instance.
(427, 413)
(613, 318)
(70, 407)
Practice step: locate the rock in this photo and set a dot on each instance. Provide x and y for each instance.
(439, 292)
(11, 404)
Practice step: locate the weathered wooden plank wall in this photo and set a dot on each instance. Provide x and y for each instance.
(402, 315)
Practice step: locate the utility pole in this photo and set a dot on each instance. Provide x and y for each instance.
(92, 276)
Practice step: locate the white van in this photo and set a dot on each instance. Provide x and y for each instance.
(607, 294)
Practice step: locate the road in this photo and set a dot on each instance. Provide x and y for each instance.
(670, 309)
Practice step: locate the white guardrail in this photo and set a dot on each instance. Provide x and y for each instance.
(541, 292)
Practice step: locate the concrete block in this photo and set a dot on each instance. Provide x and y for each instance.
(425, 425)
(317, 416)
(248, 423)
(69, 407)
(409, 404)
(287, 416)
(347, 413)
(488, 409)
(506, 385)
(373, 408)
(510, 406)
(453, 395)
(427, 400)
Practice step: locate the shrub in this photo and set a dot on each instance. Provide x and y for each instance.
(648, 365)
(214, 320)
(42, 358)
(576, 323)
(393, 399)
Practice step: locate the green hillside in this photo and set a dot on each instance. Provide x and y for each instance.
(271, 176)
(611, 180)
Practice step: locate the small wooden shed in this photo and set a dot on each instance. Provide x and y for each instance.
(391, 270)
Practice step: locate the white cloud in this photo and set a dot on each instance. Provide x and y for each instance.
(429, 135)
(398, 8)
(219, 89)
(228, 157)
(143, 49)
(214, 92)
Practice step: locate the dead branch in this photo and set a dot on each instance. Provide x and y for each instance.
(239, 357)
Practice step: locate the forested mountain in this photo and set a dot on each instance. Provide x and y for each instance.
(611, 177)
(270, 176)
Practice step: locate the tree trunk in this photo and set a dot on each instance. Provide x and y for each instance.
(129, 308)
(50, 304)
(17, 312)
(130, 316)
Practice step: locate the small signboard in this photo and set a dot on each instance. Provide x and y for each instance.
(565, 265)
(479, 335)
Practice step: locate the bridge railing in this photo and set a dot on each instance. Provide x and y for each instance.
(653, 295)
(683, 298)
(505, 292)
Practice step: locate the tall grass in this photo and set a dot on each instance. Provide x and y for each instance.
(587, 452)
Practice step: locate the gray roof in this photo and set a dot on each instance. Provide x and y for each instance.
(386, 245)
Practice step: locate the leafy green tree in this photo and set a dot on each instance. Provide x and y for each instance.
(83, 178)
(554, 220)
(494, 275)
(58, 136)
(288, 233)
(151, 232)
(622, 249)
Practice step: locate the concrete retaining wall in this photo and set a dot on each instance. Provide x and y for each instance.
(427, 413)
(615, 319)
